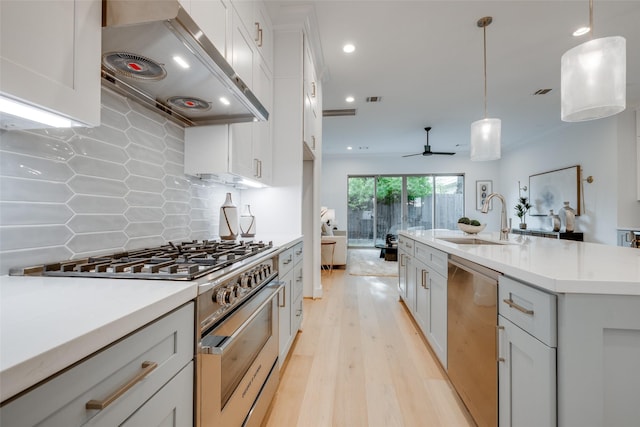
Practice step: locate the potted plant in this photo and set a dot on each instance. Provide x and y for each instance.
(522, 208)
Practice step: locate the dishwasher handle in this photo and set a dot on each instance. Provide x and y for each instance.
(474, 268)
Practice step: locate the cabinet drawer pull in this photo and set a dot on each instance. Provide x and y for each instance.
(498, 346)
(147, 368)
(518, 307)
(284, 298)
(425, 279)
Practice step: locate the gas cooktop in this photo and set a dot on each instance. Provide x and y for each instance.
(183, 261)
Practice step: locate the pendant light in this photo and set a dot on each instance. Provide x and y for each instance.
(593, 78)
(485, 133)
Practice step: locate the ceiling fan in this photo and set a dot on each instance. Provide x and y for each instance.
(427, 148)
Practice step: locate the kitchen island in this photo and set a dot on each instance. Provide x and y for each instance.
(574, 361)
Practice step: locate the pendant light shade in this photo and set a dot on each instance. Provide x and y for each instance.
(593, 79)
(485, 133)
(485, 139)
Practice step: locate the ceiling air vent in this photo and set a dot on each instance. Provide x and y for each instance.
(374, 99)
(338, 113)
(542, 91)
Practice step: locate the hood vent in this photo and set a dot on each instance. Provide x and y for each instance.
(155, 53)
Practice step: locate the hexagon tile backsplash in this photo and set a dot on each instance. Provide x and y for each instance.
(72, 193)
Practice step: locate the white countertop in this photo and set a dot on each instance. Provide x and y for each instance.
(49, 323)
(561, 266)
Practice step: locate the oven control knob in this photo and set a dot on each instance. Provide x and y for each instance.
(267, 268)
(246, 280)
(257, 276)
(225, 296)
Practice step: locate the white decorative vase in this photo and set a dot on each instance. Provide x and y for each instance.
(228, 228)
(247, 222)
(569, 218)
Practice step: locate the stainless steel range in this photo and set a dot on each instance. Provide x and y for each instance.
(237, 314)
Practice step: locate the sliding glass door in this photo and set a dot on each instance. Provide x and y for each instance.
(382, 205)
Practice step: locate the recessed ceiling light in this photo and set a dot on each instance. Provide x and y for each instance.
(348, 48)
(349, 148)
(349, 99)
(581, 31)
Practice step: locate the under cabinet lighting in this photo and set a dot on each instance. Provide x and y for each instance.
(250, 183)
(26, 111)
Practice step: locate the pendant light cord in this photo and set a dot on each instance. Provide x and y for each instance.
(591, 19)
(484, 30)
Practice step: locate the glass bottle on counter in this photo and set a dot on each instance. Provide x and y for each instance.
(247, 222)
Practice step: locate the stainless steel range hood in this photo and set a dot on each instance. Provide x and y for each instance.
(140, 40)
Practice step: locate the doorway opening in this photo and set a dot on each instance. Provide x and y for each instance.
(379, 205)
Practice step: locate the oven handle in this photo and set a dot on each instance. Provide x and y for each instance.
(274, 289)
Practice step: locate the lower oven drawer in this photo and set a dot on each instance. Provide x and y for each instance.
(61, 401)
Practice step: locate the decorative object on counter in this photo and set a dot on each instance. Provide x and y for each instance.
(593, 89)
(247, 222)
(548, 189)
(327, 216)
(470, 226)
(569, 218)
(522, 208)
(228, 228)
(485, 133)
(483, 189)
(555, 220)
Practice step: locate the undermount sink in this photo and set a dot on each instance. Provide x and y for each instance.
(471, 241)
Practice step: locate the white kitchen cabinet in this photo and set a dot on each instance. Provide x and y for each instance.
(214, 18)
(285, 302)
(526, 379)
(228, 151)
(431, 299)
(257, 24)
(170, 407)
(50, 56)
(312, 114)
(239, 149)
(421, 312)
(526, 355)
(297, 288)
(147, 360)
(406, 272)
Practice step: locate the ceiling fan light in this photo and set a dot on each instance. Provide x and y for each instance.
(485, 139)
(593, 79)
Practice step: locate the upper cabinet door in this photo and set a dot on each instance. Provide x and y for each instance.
(50, 55)
(213, 17)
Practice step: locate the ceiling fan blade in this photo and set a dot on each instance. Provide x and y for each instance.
(443, 153)
(411, 155)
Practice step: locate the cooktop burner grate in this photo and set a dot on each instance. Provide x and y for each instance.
(184, 261)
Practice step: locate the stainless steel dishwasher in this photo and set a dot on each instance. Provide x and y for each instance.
(472, 316)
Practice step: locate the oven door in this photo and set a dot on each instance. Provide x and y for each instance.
(237, 360)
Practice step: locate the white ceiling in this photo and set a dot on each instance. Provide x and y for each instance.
(424, 58)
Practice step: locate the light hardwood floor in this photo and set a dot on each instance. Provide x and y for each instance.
(360, 361)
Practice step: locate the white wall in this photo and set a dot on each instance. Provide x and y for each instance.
(335, 170)
(605, 149)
